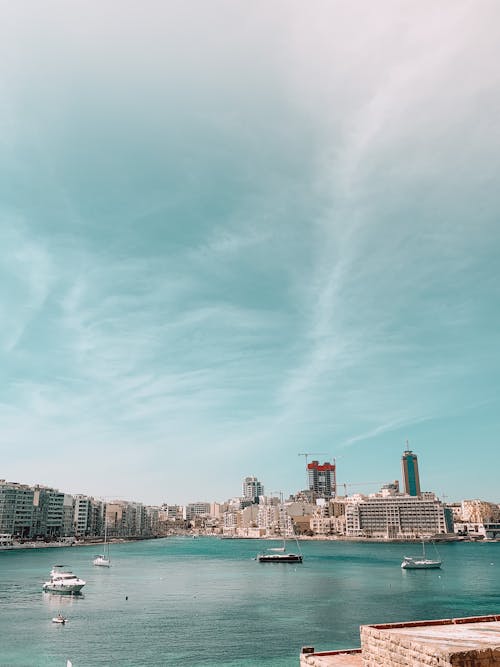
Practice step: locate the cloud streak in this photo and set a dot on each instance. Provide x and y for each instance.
(249, 238)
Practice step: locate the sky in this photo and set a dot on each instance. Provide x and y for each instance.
(234, 232)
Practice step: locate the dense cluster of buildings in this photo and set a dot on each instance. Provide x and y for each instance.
(42, 513)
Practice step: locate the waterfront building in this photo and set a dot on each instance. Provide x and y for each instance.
(173, 512)
(301, 513)
(393, 516)
(199, 509)
(216, 510)
(229, 522)
(322, 479)
(252, 489)
(411, 479)
(88, 516)
(16, 509)
(48, 512)
(67, 515)
(126, 519)
(152, 520)
(479, 511)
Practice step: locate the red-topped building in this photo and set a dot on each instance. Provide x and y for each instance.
(322, 479)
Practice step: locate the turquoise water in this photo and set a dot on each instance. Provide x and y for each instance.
(206, 602)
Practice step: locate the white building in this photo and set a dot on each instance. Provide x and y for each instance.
(252, 488)
(395, 516)
(197, 510)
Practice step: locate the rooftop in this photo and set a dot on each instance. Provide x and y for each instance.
(473, 641)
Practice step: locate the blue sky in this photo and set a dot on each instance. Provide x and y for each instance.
(234, 231)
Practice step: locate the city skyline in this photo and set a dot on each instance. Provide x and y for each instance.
(246, 232)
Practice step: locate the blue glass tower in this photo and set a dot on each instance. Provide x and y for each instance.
(411, 480)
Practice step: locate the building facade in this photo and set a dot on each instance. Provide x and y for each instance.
(396, 516)
(322, 479)
(16, 509)
(48, 512)
(252, 489)
(411, 479)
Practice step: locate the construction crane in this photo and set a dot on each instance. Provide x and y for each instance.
(306, 454)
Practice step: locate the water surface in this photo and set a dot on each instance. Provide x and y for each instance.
(206, 602)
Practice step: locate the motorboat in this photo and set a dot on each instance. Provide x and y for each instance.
(420, 562)
(59, 619)
(63, 581)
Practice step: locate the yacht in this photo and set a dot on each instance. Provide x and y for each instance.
(63, 581)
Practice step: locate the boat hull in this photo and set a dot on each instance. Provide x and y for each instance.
(101, 561)
(421, 564)
(68, 589)
(279, 558)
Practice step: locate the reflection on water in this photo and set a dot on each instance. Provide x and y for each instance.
(61, 599)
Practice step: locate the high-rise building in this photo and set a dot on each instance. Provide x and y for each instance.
(322, 479)
(16, 508)
(411, 480)
(252, 488)
(48, 512)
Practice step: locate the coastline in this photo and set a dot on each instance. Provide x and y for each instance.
(270, 538)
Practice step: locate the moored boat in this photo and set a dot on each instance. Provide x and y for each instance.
(63, 581)
(421, 562)
(104, 560)
(280, 558)
(280, 555)
(59, 619)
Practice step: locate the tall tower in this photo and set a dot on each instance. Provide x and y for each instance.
(409, 466)
(252, 488)
(322, 479)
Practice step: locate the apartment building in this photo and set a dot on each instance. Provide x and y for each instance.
(396, 516)
(16, 509)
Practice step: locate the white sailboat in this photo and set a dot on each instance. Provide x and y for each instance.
(104, 560)
(420, 563)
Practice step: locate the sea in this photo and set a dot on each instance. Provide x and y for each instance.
(207, 602)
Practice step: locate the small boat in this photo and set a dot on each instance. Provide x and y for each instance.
(59, 619)
(63, 581)
(421, 562)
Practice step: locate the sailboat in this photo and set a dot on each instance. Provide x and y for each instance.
(420, 563)
(103, 559)
(280, 554)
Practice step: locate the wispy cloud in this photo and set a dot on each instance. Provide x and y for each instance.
(294, 250)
